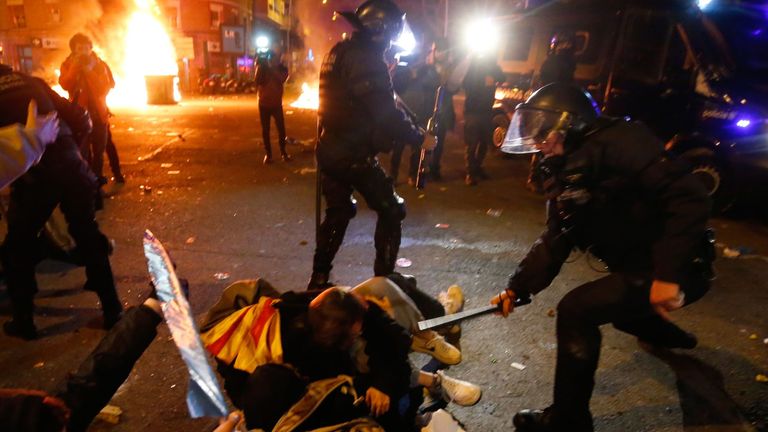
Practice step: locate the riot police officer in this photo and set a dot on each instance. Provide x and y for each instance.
(60, 178)
(358, 118)
(615, 194)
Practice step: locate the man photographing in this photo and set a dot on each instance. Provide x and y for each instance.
(613, 193)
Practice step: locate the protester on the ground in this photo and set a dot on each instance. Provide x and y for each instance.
(22, 145)
(357, 106)
(479, 91)
(613, 192)
(60, 178)
(88, 80)
(271, 75)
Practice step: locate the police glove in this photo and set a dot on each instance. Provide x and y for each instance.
(666, 297)
(430, 142)
(506, 300)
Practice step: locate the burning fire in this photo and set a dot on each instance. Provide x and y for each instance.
(308, 99)
(146, 50)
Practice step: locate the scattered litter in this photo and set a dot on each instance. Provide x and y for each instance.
(173, 386)
(731, 253)
(551, 313)
(159, 192)
(110, 414)
(765, 341)
(166, 165)
(190, 240)
(403, 262)
(221, 276)
(289, 112)
(303, 242)
(518, 366)
(173, 134)
(146, 189)
(761, 378)
(174, 172)
(494, 212)
(421, 196)
(38, 365)
(753, 336)
(305, 171)
(443, 226)
(443, 189)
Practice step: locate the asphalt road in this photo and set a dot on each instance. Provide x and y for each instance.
(220, 211)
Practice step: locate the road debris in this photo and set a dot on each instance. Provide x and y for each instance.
(110, 414)
(166, 165)
(761, 378)
(190, 240)
(403, 262)
(174, 172)
(518, 366)
(221, 275)
(443, 226)
(145, 189)
(753, 336)
(38, 365)
(303, 242)
(494, 212)
(551, 313)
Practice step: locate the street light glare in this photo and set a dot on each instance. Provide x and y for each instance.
(406, 41)
(262, 43)
(481, 36)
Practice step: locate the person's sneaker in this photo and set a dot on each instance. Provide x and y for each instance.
(26, 331)
(460, 392)
(453, 302)
(431, 343)
(470, 181)
(547, 420)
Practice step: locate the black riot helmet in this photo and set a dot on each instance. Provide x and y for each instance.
(556, 107)
(562, 43)
(380, 19)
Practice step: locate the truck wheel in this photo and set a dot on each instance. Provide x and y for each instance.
(500, 125)
(715, 180)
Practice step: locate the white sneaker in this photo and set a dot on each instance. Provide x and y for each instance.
(429, 342)
(460, 392)
(453, 302)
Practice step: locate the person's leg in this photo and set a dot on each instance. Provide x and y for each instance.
(415, 158)
(427, 305)
(471, 140)
(113, 158)
(437, 154)
(280, 123)
(397, 155)
(98, 145)
(31, 205)
(485, 141)
(340, 209)
(77, 204)
(97, 379)
(379, 193)
(264, 117)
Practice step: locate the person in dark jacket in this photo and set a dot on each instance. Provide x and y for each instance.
(357, 120)
(560, 64)
(60, 178)
(271, 75)
(479, 90)
(613, 193)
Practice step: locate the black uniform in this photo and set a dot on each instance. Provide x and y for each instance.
(618, 197)
(358, 119)
(479, 90)
(61, 178)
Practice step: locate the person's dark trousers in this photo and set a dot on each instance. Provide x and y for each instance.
(112, 157)
(437, 153)
(376, 187)
(89, 389)
(265, 113)
(429, 306)
(620, 299)
(397, 155)
(478, 136)
(94, 145)
(61, 177)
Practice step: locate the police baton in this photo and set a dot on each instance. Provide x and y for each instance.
(469, 313)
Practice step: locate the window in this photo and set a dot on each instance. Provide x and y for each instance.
(172, 17)
(18, 18)
(25, 58)
(217, 11)
(56, 15)
(642, 55)
(518, 43)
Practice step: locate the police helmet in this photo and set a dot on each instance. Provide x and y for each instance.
(557, 107)
(562, 42)
(377, 18)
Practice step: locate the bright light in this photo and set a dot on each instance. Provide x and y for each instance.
(743, 123)
(262, 43)
(481, 36)
(703, 4)
(406, 41)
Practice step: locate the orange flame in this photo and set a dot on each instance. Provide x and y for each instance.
(308, 99)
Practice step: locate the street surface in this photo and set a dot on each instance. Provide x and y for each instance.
(222, 213)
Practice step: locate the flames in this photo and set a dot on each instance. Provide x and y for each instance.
(308, 99)
(143, 48)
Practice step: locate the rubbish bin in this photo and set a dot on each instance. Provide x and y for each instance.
(160, 89)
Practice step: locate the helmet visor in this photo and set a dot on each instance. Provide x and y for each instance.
(528, 128)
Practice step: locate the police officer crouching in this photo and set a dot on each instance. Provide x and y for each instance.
(60, 178)
(358, 119)
(613, 193)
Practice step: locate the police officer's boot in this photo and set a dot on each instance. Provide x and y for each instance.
(547, 420)
(319, 281)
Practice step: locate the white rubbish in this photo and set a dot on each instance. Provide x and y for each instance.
(166, 165)
(403, 262)
(494, 212)
(174, 172)
(221, 276)
(731, 253)
(110, 414)
(518, 366)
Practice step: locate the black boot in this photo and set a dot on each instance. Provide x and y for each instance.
(546, 420)
(319, 281)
